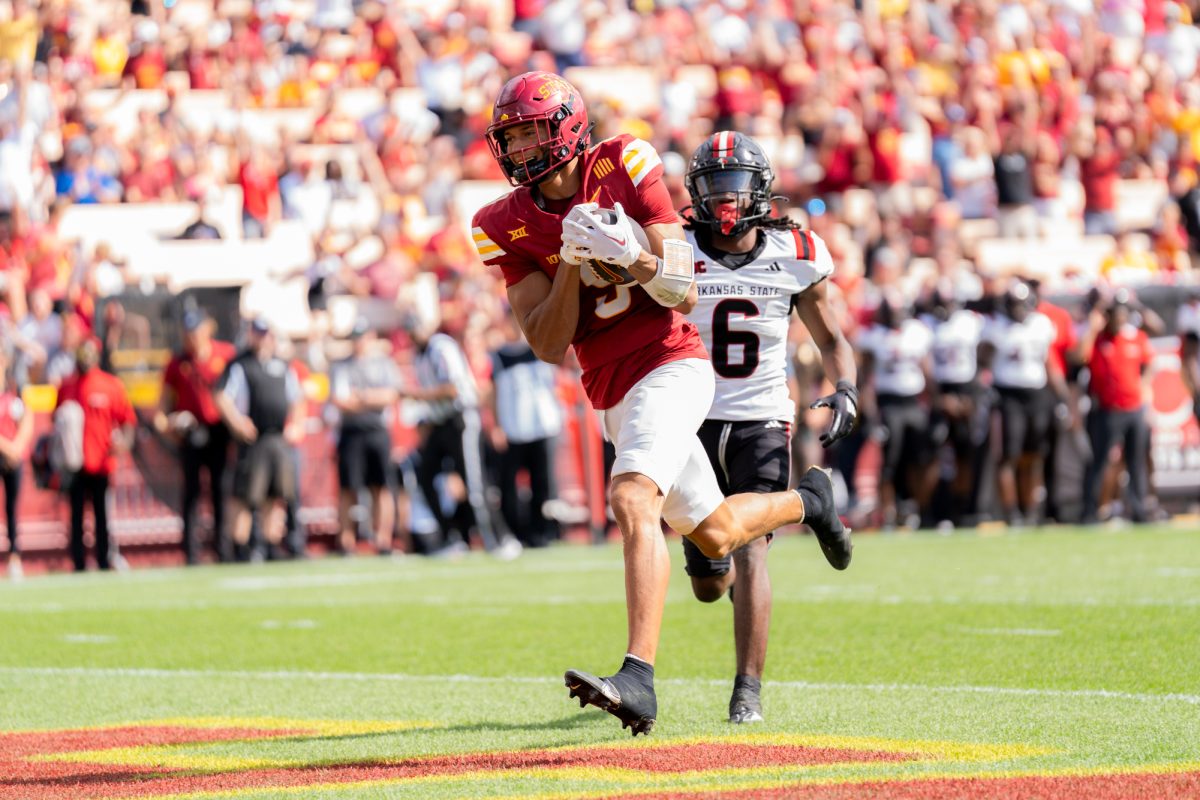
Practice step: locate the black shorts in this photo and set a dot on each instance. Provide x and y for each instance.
(960, 432)
(747, 457)
(1026, 417)
(907, 424)
(264, 470)
(364, 460)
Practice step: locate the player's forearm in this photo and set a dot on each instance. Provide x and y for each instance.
(837, 358)
(550, 326)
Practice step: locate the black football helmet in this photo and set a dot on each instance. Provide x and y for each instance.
(729, 180)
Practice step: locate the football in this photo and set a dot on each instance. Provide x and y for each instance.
(613, 273)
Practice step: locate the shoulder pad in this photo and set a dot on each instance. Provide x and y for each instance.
(639, 159)
(811, 248)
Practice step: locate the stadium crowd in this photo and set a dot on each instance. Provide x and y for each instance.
(906, 133)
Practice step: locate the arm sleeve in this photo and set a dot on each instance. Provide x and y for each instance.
(822, 261)
(235, 387)
(484, 235)
(339, 382)
(127, 415)
(1147, 350)
(292, 387)
(449, 365)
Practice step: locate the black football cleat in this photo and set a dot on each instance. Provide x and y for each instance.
(822, 517)
(745, 705)
(627, 700)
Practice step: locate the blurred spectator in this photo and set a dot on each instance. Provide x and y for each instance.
(107, 430)
(1100, 161)
(200, 228)
(1132, 264)
(43, 330)
(16, 439)
(972, 177)
(260, 194)
(188, 414)
(1013, 167)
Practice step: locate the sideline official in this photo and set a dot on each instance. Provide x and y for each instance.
(529, 418)
(365, 390)
(259, 401)
(451, 439)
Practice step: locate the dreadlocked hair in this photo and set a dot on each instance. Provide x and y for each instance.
(780, 224)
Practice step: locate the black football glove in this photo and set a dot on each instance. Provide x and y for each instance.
(844, 405)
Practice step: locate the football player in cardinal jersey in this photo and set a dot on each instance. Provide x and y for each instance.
(644, 366)
(752, 270)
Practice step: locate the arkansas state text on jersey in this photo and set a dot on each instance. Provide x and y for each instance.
(622, 333)
(743, 316)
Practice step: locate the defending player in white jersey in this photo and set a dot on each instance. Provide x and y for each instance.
(752, 269)
(895, 361)
(1016, 345)
(961, 417)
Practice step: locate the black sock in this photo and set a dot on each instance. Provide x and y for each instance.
(637, 669)
(747, 682)
(812, 503)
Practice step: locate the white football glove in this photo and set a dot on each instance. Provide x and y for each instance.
(589, 236)
(570, 254)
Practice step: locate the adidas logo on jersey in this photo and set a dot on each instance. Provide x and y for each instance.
(774, 267)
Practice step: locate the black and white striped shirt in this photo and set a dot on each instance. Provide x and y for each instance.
(527, 406)
(442, 362)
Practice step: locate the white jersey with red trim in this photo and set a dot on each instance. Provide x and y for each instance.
(743, 314)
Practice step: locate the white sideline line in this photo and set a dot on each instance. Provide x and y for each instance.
(394, 677)
(1008, 631)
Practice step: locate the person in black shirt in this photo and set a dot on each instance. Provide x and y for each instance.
(1013, 169)
(259, 399)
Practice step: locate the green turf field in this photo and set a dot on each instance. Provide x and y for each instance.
(1033, 654)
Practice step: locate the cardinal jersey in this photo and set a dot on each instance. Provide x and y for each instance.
(1021, 350)
(743, 316)
(955, 345)
(622, 334)
(898, 354)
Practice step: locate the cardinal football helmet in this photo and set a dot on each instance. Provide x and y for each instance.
(560, 119)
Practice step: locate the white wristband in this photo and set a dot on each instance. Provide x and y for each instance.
(676, 271)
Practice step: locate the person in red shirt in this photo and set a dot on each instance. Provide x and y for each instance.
(260, 194)
(108, 422)
(1099, 168)
(1065, 341)
(1118, 355)
(188, 414)
(577, 275)
(16, 434)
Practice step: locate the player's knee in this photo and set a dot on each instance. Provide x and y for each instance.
(633, 501)
(710, 589)
(752, 556)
